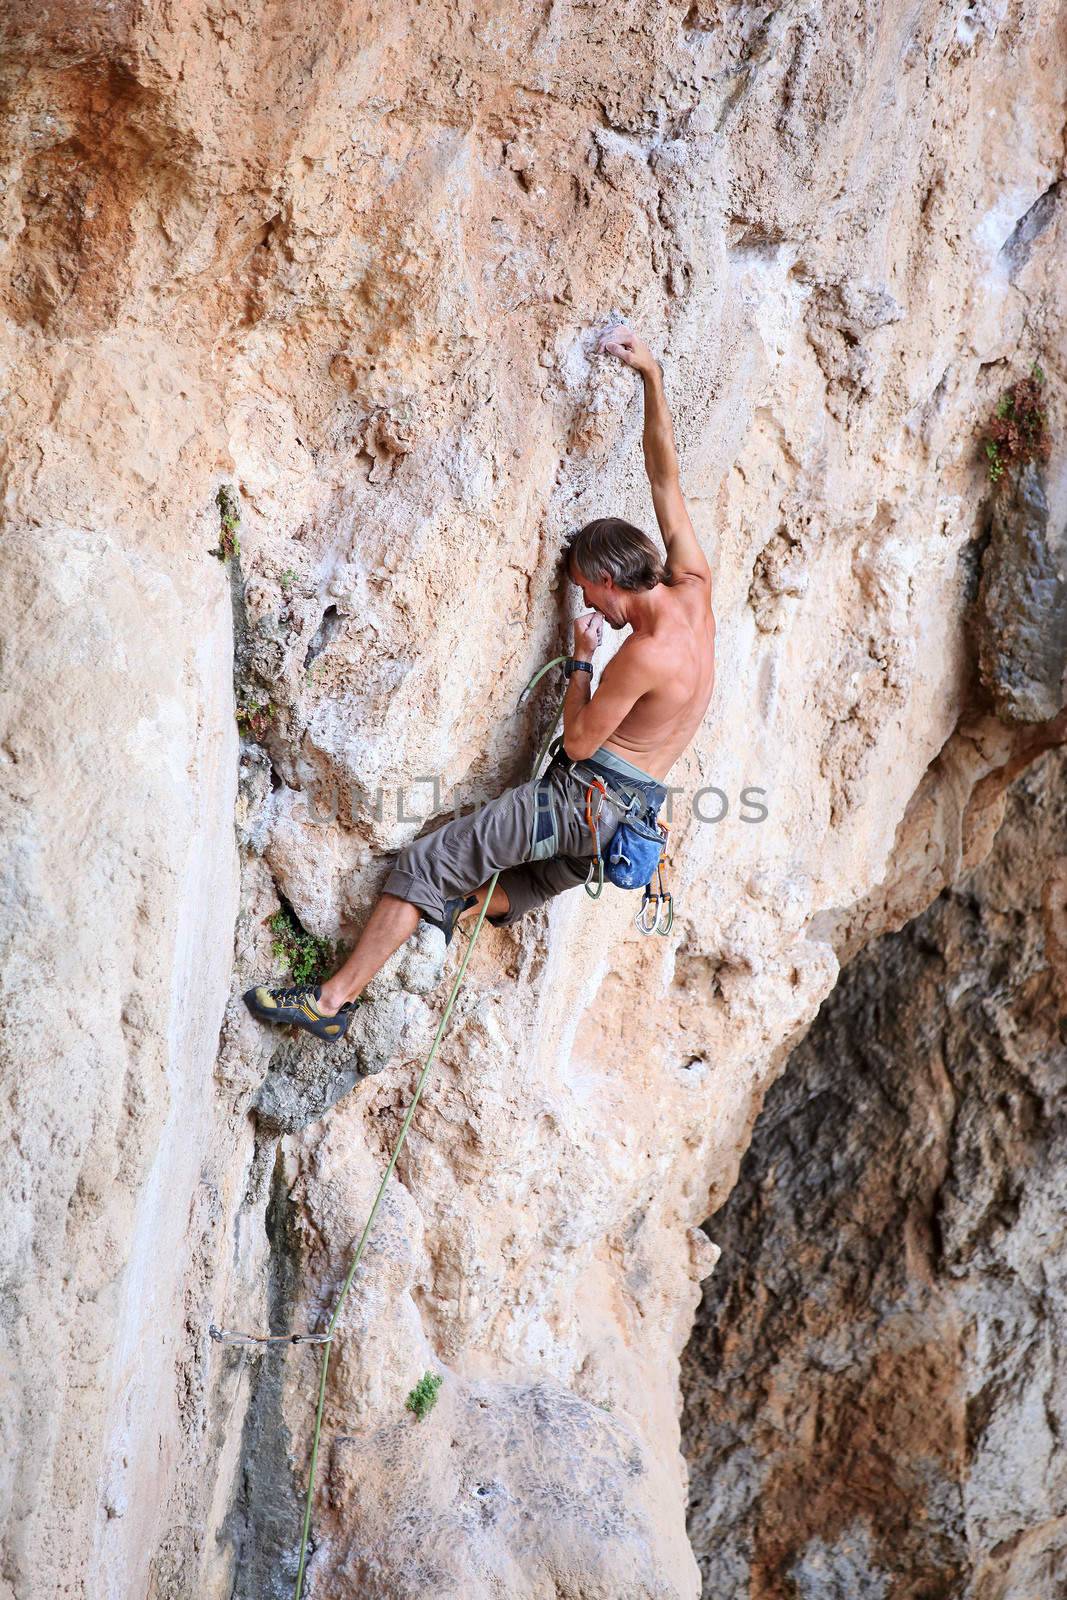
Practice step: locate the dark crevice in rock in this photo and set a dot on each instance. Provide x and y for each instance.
(326, 632)
(264, 1520)
(971, 556)
(251, 690)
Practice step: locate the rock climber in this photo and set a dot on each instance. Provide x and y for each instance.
(649, 702)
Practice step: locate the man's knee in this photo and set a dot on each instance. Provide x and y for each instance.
(415, 889)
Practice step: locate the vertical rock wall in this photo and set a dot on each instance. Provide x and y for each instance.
(351, 262)
(875, 1392)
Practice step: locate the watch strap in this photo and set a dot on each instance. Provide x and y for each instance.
(572, 664)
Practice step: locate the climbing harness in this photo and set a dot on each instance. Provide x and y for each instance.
(248, 1340)
(636, 850)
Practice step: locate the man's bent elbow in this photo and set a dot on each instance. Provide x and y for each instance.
(576, 749)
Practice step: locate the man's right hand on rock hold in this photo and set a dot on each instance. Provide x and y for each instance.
(629, 346)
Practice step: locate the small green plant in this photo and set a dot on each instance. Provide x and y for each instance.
(1019, 430)
(254, 717)
(307, 959)
(229, 521)
(422, 1398)
(287, 579)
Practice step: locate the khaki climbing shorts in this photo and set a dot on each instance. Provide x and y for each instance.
(536, 835)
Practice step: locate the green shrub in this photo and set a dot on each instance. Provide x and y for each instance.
(307, 959)
(424, 1395)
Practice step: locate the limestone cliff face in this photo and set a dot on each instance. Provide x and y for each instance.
(875, 1386)
(349, 263)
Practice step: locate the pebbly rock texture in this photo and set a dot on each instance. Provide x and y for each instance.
(522, 1487)
(875, 1387)
(347, 267)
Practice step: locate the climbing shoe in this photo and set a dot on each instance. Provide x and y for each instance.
(296, 1007)
(453, 907)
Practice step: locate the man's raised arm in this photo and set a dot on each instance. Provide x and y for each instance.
(684, 555)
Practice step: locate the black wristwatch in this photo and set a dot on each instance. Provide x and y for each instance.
(572, 664)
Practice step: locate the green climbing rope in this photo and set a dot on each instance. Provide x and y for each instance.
(327, 1338)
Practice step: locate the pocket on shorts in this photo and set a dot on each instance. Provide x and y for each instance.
(544, 829)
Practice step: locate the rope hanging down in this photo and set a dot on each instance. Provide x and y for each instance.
(326, 1339)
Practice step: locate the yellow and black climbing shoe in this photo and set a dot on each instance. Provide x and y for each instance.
(296, 1006)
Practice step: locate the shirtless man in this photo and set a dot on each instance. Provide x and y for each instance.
(648, 705)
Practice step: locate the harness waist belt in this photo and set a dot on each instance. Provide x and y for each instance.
(625, 782)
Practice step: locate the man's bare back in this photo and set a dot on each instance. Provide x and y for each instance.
(679, 658)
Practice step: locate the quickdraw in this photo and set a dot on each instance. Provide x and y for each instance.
(662, 902)
(597, 863)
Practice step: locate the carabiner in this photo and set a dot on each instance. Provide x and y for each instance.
(665, 900)
(641, 918)
(662, 903)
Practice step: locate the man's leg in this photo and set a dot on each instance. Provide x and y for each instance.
(499, 905)
(523, 888)
(390, 923)
(431, 877)
(428, 868)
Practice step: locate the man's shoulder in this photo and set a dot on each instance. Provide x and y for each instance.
(646, 657)
(639, 647)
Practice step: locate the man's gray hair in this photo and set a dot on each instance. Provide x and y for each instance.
(609, 547)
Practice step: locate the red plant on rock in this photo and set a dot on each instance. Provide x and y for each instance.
(1019, 430)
